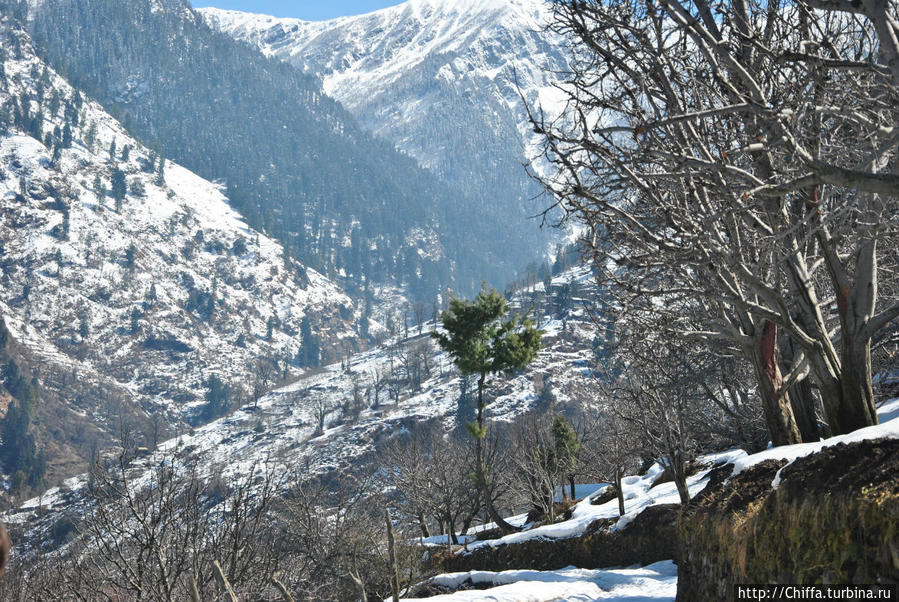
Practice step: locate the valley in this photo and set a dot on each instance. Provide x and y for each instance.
(453, 300)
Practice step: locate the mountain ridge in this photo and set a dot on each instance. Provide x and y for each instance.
(446, 82)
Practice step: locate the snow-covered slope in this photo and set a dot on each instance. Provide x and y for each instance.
(150, 294)
(439, 78)
(281, 430)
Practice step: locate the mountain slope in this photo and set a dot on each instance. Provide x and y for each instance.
(366, 401)
(295, 162)
(127, 287)
(442, 80)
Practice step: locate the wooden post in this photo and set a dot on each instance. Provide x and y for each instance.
(391, 551)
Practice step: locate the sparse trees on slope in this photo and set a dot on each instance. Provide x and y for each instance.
(482, 342)
(157, 538)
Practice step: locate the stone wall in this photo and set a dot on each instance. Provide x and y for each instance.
(833, 519)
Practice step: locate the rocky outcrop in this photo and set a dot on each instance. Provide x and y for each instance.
(832, 518)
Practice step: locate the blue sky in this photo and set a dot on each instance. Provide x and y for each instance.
(310, 10)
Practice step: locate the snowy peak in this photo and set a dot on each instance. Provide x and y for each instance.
(394, 39)
(443, 81)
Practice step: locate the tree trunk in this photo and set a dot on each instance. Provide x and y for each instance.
(830, 387)
(680, 477)
(391, 553)
(5, 545)
(452, 529)
(223, 581)
(619, 474)
(858, 409)
(423, 524)
(802, 399)
(571, 484)
(285, 593)
(481, 469)
(778, 413)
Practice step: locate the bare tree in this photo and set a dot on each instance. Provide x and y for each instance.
(157, 533)
(705, 146)
(321, 407)
(378, 383)
(539, 469)
(335, 544)
(419, 310)
(432, 474)
(264, 376)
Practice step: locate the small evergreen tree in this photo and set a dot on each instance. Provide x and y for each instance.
(99, 189)
(309, 355)
(567, 447)
(150, 297)
(119, 187)
(218, 399)
(160, 172)
(83, 328)
(135, 320)
(482, 341)
(130, 254)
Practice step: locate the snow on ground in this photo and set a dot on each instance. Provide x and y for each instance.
(888, 428)
(639, 494)
(654, 583)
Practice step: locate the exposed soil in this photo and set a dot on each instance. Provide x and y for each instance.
(832, 519)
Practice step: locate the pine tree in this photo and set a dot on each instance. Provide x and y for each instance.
(482, 341)
(150, 297)
(218, 399)
(135, 320)
(310, 346)
(119, 187)
(99, 189)
(160, 172)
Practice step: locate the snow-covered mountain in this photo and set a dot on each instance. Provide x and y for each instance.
(128, 286)
(362, 404)
(442, 79)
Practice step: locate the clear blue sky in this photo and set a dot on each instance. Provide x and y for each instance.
(310, 10)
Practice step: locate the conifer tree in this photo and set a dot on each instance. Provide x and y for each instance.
(119, 187)
(482, 341)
